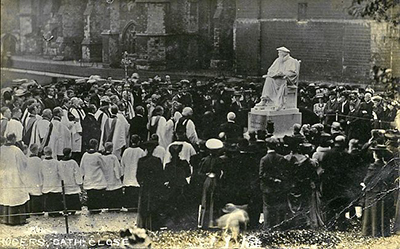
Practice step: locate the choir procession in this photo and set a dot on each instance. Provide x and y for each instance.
(166, 150)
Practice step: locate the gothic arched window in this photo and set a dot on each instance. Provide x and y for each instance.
(129, 38)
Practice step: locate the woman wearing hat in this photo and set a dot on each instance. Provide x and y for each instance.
(319, 107)
(330, 108)
(378, 181)
(211, 171)
(150, 176)
(176, 173)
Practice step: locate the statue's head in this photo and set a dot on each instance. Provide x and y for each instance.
(282, 52)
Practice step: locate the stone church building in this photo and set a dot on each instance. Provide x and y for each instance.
(236, 35)
(156, 34)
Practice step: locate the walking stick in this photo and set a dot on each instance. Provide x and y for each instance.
(65, 213)
(138, 208)
(199, 218)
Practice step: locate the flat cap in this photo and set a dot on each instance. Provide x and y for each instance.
(283, 49)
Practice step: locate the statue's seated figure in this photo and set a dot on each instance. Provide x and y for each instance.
(280, 80)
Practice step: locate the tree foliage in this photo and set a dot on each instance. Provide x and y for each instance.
(379, 10)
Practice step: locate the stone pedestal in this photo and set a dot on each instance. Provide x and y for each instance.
(283, 119)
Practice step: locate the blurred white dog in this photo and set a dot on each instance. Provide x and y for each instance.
(231, 221)
(137, 238)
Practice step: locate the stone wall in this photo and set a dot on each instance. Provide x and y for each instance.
(8, 12)
(93, 26)
(336, 51)
(331, 44)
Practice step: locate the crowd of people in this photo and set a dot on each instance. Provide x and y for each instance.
(162, 148)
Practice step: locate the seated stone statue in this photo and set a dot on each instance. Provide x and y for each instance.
(284, 71)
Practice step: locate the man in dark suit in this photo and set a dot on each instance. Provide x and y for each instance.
(139, 124)
(336, 182)
(232, 130)
(94, 98)
(90, 127)
(272, 182)
(50, 102)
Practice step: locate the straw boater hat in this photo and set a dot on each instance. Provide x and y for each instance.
(94, 78)
(19, 93)
(214, 144)
(336, 126)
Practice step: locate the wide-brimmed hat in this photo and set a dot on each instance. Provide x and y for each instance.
(306, 146)
(105, 99)
(94, 79)
(340, 140)
(19, 93)
(6, 89)
(80, 81)
(185, 82)
(151, 144)
(318, 126)
(175, 148)
(336, 126)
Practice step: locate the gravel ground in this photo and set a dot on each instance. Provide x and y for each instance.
(96, 231)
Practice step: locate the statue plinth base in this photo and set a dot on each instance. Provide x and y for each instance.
(283, 120)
